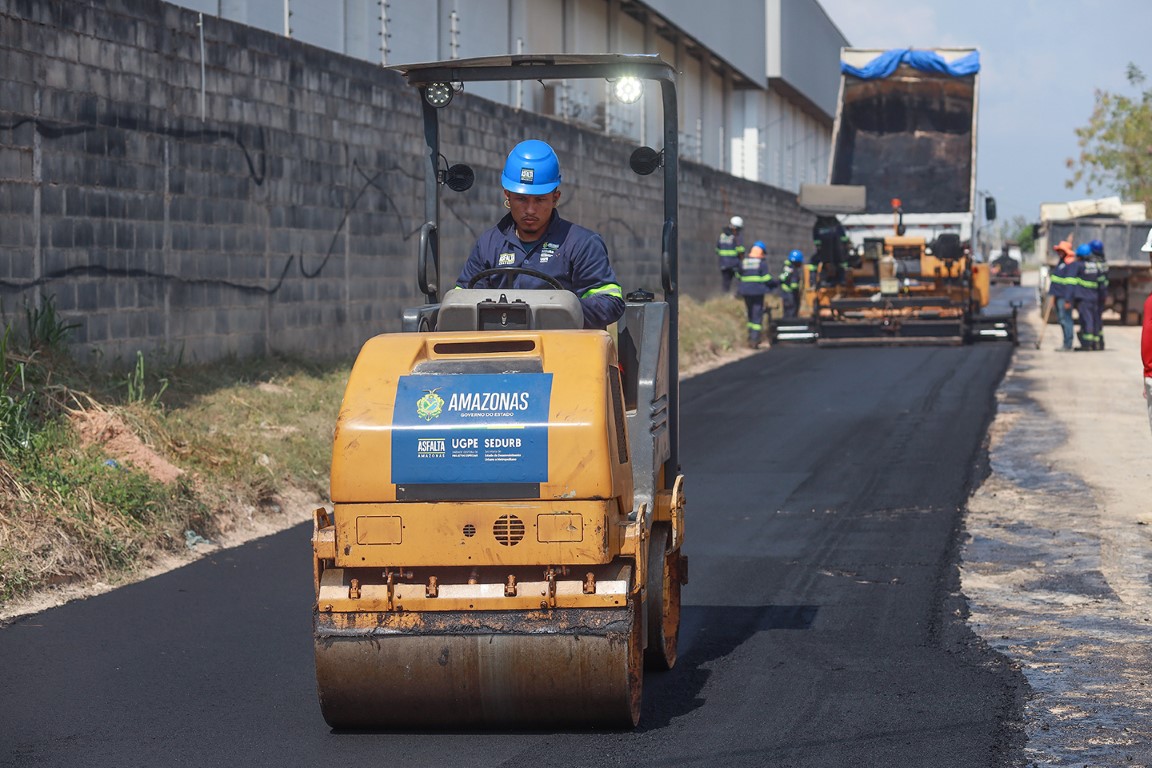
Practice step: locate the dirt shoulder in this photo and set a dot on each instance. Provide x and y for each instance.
(1057, 564)
(247, 523)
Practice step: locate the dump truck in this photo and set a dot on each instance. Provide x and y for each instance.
(1123, 228)
(902, 189)
(504, 547)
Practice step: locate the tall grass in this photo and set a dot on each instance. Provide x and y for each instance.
(137, 384)
(710, 329)
(15, 400)
(69, 511)
(47, 330)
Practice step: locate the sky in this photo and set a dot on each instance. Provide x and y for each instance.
(1041, 64)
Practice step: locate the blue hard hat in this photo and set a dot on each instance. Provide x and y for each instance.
(532, 168)
(760, 244)
(1083, 250)
(1096, 246)
(795, 256)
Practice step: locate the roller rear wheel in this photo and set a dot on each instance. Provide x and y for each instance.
(663, 599)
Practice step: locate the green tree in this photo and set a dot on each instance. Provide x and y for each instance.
(1019, 231)
(1116, 144)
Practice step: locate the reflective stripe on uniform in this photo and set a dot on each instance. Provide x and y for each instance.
(610, 289)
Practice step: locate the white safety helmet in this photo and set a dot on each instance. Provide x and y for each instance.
(737, 222)
(1147, 247)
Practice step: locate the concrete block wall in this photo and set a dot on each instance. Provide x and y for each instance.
(270, 201)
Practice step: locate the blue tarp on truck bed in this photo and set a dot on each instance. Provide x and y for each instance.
(929, 61)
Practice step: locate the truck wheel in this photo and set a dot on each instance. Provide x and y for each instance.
(663, 602)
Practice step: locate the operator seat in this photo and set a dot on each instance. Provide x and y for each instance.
(502, 309)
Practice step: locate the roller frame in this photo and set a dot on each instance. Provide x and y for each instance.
(441, 645)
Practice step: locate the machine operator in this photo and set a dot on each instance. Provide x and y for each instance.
(791, 283)
(533, 236)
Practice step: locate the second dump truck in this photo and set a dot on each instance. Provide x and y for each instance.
(1122, 227)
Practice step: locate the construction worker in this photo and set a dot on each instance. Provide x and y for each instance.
(830, 255)
(1062, 284)
(791, 282)
(1146, 338)
(754, 282)
(533, 236)
(730, 250)
(1088, 298)
(1097, 248)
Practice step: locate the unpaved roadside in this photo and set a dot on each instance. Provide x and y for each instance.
(1057, 566)
(246, 524)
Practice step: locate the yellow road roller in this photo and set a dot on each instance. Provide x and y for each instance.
(504, 544)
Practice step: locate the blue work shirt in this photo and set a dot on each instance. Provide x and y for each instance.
(1088, 284)
(790, 278)
(1101, 279)
(575, 256)
(730, 248)
(1064, 280)
(754, 277)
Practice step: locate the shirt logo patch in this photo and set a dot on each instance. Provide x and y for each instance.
(505, 259)
(548, 251)
(526, 175)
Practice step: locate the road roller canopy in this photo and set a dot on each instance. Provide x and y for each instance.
(609, 66)
(440, 81)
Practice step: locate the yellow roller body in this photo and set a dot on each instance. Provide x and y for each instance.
(483, 564)
(575, 371)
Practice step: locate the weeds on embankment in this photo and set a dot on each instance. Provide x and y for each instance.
(103, 470)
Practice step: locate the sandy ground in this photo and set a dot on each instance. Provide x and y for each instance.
(1057, 564)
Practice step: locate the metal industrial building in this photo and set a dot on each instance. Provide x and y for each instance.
(759, 85)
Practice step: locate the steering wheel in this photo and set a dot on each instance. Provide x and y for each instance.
(552, 281)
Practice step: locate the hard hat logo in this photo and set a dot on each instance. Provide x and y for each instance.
(532, 168)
